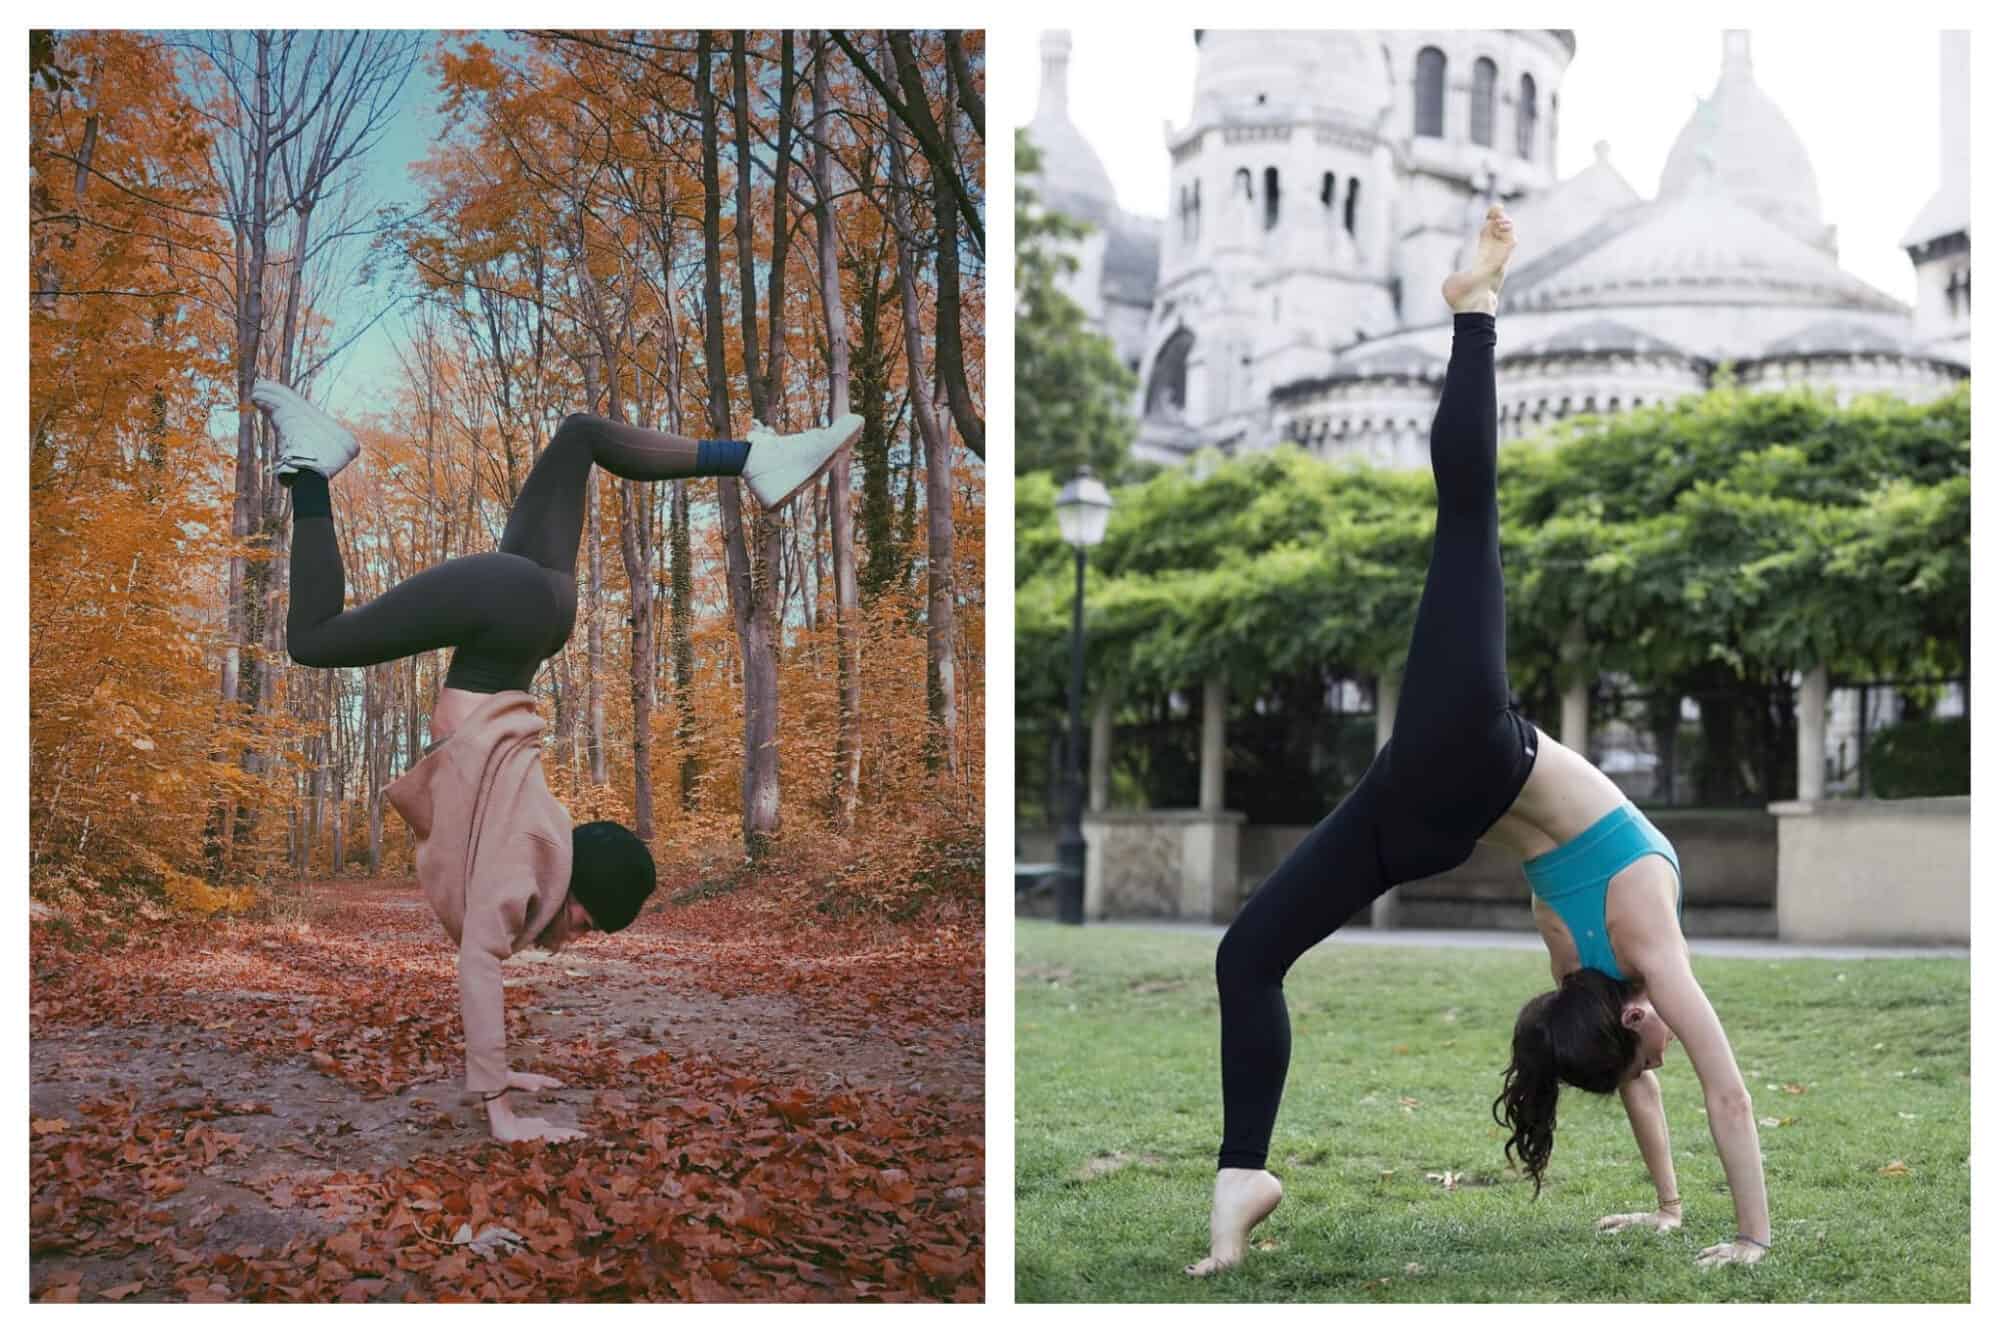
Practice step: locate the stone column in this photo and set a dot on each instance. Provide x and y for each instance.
(1375, 221)
(1387, 685)
(1576, 693)
(1382, 912)
(1100, 755)
(1214, 708)
(1812, 734)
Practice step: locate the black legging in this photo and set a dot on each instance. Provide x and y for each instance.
(1458, 757)
(505, 612)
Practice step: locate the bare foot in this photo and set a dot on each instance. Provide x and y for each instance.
(1476, 290)
(1242, 1200)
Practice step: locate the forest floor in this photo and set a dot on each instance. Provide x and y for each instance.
(274, 1109)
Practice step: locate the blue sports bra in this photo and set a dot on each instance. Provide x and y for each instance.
(1573, 878)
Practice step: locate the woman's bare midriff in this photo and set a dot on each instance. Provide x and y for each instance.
(453, 707)
(1564, 795)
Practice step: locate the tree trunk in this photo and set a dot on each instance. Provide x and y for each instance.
(941, 665)
(846, 791)
(870, 390)
(687, 736)
(749, 562)
(944, 210)
(635, 545)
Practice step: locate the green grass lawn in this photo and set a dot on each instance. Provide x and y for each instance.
(1854, 1066)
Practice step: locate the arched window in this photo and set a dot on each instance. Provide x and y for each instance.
(1241, 187)
(1167, 394)
(1485, 74)
(1270, 198)
(1430, 92)
(1329, 190)
(1524, 119)
(1191, 211)
(1353, 203)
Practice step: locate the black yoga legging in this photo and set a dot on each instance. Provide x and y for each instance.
(506, 612)
(1458, 757)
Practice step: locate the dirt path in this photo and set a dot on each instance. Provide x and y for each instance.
(275, 1111)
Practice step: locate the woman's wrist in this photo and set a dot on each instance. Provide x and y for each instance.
(1742, 1239)
(1672, 1205)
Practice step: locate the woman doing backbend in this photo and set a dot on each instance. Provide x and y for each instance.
(496, 855)
(1463, 767)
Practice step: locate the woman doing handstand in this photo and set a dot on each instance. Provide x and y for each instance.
(1463, 767)
(496, 855)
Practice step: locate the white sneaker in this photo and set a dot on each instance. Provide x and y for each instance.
(780, 466)
(307, 437)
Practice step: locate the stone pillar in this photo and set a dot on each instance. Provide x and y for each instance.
(1387, 685)
(1214, 711)
(1576, 718)
(1812, 734)
(1576, 694)
(1180, 865)
(1100, 754)
(1374, 223)
(1382, 912)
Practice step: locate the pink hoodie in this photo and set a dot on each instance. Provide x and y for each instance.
(493, 856)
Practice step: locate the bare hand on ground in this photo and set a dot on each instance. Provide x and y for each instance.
(1730, 1252)
(524, 1128)
(1657, 1221)
(531, 1082)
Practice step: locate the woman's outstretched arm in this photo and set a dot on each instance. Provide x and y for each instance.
(1641, 1096)
(1681, 1002)
(1648, 1114)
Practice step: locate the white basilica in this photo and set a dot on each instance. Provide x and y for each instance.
(1326, 182)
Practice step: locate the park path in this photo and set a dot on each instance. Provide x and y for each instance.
(273, 1110)
(1707, 947)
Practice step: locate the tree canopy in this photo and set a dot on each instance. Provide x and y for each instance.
(1728, 536)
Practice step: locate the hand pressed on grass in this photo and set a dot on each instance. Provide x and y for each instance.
(1660, 1219)
(1731, 1252)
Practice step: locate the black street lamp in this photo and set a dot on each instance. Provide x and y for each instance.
(1083, 508)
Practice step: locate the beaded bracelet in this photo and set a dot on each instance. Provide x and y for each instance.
(1745, 1240)
(1668, 1203)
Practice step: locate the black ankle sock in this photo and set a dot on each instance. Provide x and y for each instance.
(721, 458)
(310, 496)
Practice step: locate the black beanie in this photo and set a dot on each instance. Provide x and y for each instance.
(610, 873)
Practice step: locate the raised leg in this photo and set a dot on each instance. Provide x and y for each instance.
(1456, 675)
(1454, 689)
(546, 523)
(496, 606)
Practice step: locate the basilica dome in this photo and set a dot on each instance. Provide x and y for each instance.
(1337, 74)
(1756, 156)
(1702, 244)
(1072, 179)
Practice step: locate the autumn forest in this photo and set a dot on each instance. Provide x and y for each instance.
(686, 231)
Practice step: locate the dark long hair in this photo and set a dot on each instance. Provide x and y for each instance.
(1574, 1034)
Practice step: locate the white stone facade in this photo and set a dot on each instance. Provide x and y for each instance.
(1326, 182)
(1939, 242)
